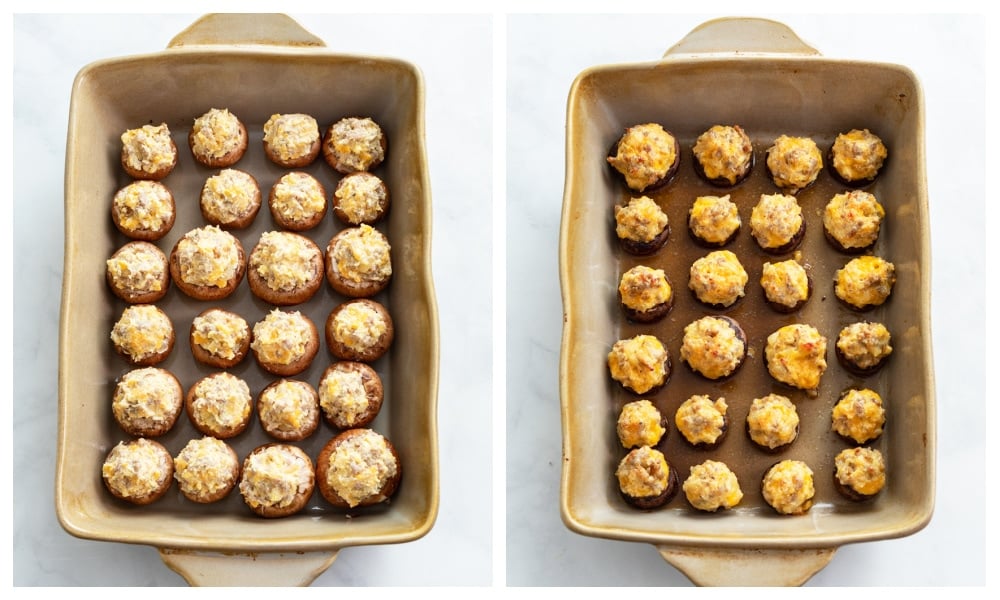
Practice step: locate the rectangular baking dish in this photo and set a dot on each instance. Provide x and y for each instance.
(254, 65)
(759, 74)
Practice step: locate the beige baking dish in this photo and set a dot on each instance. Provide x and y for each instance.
(759, 74)
(255, 65)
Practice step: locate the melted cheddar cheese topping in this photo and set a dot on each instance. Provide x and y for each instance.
(853, 219)
(298, 197)
(208, 256)
(291, 136)
(864, 344)
(718, 278)
(859, 415)
(645, 154)
(148, 148)
(219, 333)
(205, 467)
(342, 395)
(146, 398)
(711, 486)
(640, 220)
(789, 488)
(865, 281)
(714, 219)
(785, 283)
(136, 469)
(286, 261)
(794, 162)
(775, 220)
(282, 337)
(643, 288)
(221, 402)
(724, 152)
(643, 473)
(143, 206)
(361, 254)
(288, 406)
(142, 331)
(639, 424)
(638, 363)
(772, 421)
(139, 267)
(858, 154)
(229, 195)
(700, 420)
(275, 476)
(861, 469)
(356, 143)
(796, 355)
(712, 347)
(359, 326)
(360, 466)
(216, 134)
(361, 197)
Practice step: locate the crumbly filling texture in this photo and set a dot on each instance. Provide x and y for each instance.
(342, 395)
(291, 136)
(282, 337)
(859, 415)
(136, 469)
(643, 288)
(205, 467)
(714, 218)
(143, 206)
(361, 197)
(785, 282)
(645, 154)
(712, 347)
(639, 363)
(360, 467)
(142, 331)
(362, 254)
(216, 133)
(275, 476)
(146, 397)
(285, 261)
(772, 421)
(138, 267)
(794, 162)
(219, 333)
(858, 154)
(724, 152)
(861, 469)
(853, 218)
(865, 281)
(718, 278)
(789, 488)
(865, 344)
(356, 143)
(643, 473)
(796, 355)
(711, 486)
(775, 220)
(230, 194)
(359, 326)
(701, 420)
(288, 406)
(639, 424)
(221, 402)
(641, 220)
(298, 197)
(148, 148)
(208, 256)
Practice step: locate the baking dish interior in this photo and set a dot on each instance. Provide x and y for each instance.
(174, 87)
(768, 96)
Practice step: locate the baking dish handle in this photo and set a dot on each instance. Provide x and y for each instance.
(239, 29)
(242, 569)
(740, 35)
(747, 567)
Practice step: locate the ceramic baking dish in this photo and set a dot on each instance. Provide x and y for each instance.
(254, 65)
(759, 74)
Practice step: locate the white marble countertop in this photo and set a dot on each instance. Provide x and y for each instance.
(543, 54)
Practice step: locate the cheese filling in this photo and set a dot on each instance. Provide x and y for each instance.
(136, 469)
(858, 154)
(216, 134)
(356, 143)
(861, 469)
(645, 154)
(285, 261)
(142, 331)
(864, 344)
(714, 219)
(639, 363)
(865, 281)
(287, 406)
(205, 467)
(343, 396)
(785, 283)
(643, 473)
(640, 220)
(291, 136)
(718, 278)
(221, 402)
(282, 337)
(853, 219)
(143, 206)
(775, 220)
(701, 420)
(712, 347)
(794, 162)
(230, 195)
(138, 267)
(859, 415)
(796, 355)
(639, 424)
(146, 397)
(772, 421)
(360, 197)
(275, 476)
(789, 487)
(219, 333)
(208, 256)
(148, 148)
(711, 486)
(643, 288)
(298, 196)
(359, 326)
(362, 254)
(360, 467)
(724, 152)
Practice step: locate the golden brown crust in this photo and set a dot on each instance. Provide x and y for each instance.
(120, 212)
(161, 275)
(210, 208)
(334, 410)
(259, 284)
(276, 199)
(359, 341)
(208, 411)
(291, 422)
(228, 159)
(207, 292)
(301, 496)
(206, 356)
(161, 483)
(299, 362)
(323, 464)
